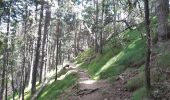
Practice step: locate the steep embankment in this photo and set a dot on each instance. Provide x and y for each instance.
(120, 63)
(119, 66)
(118, 73)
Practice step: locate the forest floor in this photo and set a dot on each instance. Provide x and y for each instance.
(88, 89)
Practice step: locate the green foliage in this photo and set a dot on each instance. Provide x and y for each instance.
(133, 53)
(163, 60)
(27, 94)
(56, 88)
(113, 61)
(131, 35)
(84, 55)
(139, 94)
(135, 83)
(142, 68)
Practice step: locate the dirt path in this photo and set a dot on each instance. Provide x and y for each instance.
(89, 89)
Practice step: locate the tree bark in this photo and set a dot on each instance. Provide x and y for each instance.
(96, 31)
(31, 63)
(5, 61)
(101, 31)
(148, 51)
(37, 53)
(162, 14)
(46, 28)
(57, 45)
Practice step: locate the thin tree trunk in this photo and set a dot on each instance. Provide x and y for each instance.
(148, 52)
(12, 65)
(101, 33)
(96, 37)
(37, 53)
(57, 45)
(46, 28)
(4, 83)
(47, 58)
(31, 64)
(75, 39)
(60, 53)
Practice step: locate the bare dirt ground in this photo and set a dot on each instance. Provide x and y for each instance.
(88, 89)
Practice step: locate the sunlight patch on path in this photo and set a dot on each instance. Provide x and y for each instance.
(88, 82)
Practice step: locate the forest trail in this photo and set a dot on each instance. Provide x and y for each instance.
(88, 89)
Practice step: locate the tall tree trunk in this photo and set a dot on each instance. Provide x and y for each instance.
(12, 65)
(162, 13)
(5, 61)
(148, 52)
(75, 38)
(22, 76)
(46, 28)
(12, 83)
(31, 58)
(24, 55)
(101, 32)
(60, 52)
(57, 45)
(96, 27)
(37, 53)
(47, 58)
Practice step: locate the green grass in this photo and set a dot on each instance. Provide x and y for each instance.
(115, 58)
(27, 94)
(61, 85)
(53, 90)
(84, 55)
(163, 60)
(135, 83)
(133, 53)
(139, 94)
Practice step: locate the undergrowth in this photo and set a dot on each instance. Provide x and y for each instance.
(56, 88)
(115, 58)
(139, 94)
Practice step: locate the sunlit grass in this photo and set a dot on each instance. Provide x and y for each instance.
(50, 77)
(108, 64)
(54, 89)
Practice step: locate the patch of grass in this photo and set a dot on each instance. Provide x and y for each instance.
(131, 35)
(112, 63)
(84, 55)
(99, 62)
(106, 65)
(115, 58)
(141, 68)
(56, 88)
(135, 83)
(139, 94)
(62, 72)
(27, 93)
(163, 60)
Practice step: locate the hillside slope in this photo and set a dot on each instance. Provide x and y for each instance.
(124, 61)
(122, 65)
